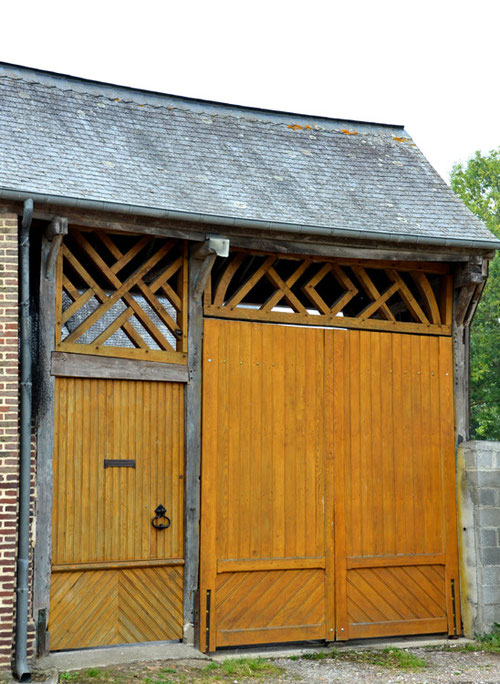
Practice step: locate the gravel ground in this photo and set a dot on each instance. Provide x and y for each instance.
(442, 666)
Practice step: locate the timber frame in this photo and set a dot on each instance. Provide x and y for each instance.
(455, 310)
(361, 294)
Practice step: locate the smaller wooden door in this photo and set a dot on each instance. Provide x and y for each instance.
(118, 454)
(267, 510)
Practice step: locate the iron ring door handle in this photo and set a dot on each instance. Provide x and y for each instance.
(160, 514)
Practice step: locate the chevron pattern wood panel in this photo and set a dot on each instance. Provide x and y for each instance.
(381, 598)
(256, 607)
(104, 607)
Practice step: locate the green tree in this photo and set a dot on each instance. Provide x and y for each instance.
(477, 183)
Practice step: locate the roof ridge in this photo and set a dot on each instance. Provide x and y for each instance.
(154, 98)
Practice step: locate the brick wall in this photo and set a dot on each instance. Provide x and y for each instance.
(479, 525)
(9, 439)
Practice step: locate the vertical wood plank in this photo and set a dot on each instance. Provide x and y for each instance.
(449, 489)
(336, 483)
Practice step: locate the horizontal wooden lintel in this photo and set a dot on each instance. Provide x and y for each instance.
(68, 364)
(117, 565)
(326, 321)
(354, 562)
(129, 353)
(250, 564)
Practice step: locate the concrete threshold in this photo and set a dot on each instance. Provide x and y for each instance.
(64, 661)
(354, 645)
(106, 656)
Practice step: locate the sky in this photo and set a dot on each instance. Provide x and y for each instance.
(433, 66)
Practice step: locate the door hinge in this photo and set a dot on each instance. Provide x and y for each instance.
(207, 621)
(454, 607)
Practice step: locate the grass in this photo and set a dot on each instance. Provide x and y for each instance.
(390, 658)
(489, 643)
(239, 668)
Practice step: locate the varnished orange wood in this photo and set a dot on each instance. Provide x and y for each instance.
(266, 439)
(395, 307)
(107, 285)
(102, 516)
(105, 607)
(361, 421)
(397, 511)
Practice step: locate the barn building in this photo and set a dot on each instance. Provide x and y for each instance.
(244, 356)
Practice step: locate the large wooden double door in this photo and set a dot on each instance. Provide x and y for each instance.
(328, 498)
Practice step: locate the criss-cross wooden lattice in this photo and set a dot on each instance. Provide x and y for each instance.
(373, 295)
(122, 296)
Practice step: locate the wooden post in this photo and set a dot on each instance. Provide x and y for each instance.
(45, 443)
(461, 337)
(193, 454)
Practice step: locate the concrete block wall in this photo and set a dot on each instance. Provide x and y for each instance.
(478, 466)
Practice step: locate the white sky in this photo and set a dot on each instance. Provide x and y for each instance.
(431, 65)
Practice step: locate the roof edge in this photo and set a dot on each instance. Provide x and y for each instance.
(220, 220)
(54, 78)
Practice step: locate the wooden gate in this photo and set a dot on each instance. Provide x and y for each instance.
(328, 501)
(119, 453)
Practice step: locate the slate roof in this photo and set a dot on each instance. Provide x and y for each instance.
(73, 138)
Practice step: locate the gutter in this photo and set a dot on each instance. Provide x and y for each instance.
(21, 666)
(219, 220)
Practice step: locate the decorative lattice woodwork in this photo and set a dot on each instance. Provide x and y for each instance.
(122, 295)
(372, 295)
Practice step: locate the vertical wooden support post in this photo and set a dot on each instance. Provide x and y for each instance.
(193, 454)
(461, 337)
(45, 443)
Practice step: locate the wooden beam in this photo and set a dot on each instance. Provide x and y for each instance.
(462, 302)
(203, 276)
(329, 321)
(88, 366)
(461, 351)
(193, 451)
(45, 444)
(253, 239)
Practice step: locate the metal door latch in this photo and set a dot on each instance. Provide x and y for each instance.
(160, 514)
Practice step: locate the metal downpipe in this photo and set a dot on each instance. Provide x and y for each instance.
(21, 665)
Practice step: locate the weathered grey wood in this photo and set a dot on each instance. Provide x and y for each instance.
(462, 303)
(334, 249)
(44, 412)
(193, 449)
(260, 239)
(203, 276)
(87, 366)
(461, 336)
(58, 226)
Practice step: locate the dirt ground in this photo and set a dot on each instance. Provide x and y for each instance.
(418, 665)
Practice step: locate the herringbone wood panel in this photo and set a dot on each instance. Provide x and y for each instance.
(270, 603)
(99, 607)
